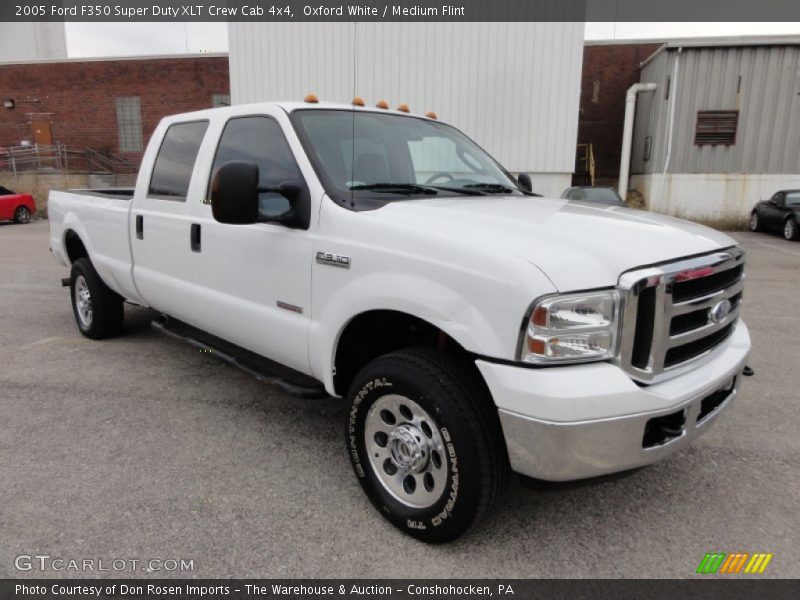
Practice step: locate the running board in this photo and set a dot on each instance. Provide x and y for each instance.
(165, 325)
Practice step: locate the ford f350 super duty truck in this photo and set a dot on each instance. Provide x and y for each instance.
(473, 328)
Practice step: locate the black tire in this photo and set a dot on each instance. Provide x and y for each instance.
(106, 315)
(755, 221)
(791, 231)
(22, 215)
(464, 417)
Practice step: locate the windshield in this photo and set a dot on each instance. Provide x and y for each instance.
(362, 155)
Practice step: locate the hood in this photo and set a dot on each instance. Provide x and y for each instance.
(578, 246)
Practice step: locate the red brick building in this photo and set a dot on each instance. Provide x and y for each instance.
(108, 105)
(609, 69)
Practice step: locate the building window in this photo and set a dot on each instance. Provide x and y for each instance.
(716, 127)
(648, 145)
(129, 123)
(218, 100)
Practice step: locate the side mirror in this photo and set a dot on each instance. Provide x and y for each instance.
(235, 197)
(525, 182)
(234, 193)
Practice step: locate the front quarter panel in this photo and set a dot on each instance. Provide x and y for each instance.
(473, 293)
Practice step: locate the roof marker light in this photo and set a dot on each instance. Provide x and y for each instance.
(403, 108)
(431, 115)
(382, 104)
(311, 99)
(358, 101)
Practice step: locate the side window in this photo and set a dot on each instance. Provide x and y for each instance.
(793, 199)
(174, 164)
(259, 140)
(778, 199)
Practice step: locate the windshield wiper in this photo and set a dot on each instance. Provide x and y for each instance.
(492, 188)
(396, 188)
(460, 190)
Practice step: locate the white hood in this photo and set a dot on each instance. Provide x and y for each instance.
(578, 246)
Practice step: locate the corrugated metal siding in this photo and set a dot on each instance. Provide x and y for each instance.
(768, 135)
(513, 87)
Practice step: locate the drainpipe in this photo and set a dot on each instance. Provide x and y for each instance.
(627, 133)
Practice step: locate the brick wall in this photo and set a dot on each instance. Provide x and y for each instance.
(81, 96)
(608, 71)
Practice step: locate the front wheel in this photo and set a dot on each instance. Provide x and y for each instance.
(22, 215)
(98, 309)
(426, 444)
(755, 223)
(790, 230)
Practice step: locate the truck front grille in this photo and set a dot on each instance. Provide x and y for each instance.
(677, 313)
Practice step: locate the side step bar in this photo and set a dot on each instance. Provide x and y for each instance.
(164, 325)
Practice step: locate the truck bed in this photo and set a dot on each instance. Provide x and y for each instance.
(100, 218)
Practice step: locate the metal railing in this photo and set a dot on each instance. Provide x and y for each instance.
(62, 158)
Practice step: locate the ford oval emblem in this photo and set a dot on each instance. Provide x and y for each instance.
(720, 310)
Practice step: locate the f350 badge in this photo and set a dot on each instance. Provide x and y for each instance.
(334, 260)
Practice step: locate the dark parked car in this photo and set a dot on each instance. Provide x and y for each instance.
(588, 193)
(779, 213)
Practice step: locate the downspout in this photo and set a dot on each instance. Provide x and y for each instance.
(673, 101)
(627, 134)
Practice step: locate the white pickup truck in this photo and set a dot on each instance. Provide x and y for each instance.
(473, 328)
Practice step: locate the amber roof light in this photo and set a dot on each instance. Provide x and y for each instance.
(431, 115)
(358, 101)
(382, 104)
(403, 108)
(311, 99)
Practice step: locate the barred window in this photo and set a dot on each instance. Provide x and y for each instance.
(716, 127)
(129, 123)
(218, 100)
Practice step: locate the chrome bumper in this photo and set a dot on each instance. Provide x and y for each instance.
(581, 421)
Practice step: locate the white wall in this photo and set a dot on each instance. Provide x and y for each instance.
(716, 198)
(32, 41)
(513, 87)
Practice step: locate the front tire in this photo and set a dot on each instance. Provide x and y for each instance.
(98, 309)
(425, 442)
(22, 215)
(755, 222)
(791, 231)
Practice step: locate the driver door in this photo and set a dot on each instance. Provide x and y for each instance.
(773, 211)
(256, 278)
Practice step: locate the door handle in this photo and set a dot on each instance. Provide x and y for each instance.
(194, 237)
(140, 227)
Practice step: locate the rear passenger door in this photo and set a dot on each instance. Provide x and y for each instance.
(160, 221)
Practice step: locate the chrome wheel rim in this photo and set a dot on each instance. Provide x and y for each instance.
(83, 301)
(24, 215)
(788, 230)
(754, 221)
(406, 451)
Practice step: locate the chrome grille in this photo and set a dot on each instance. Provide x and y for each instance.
(677, 313)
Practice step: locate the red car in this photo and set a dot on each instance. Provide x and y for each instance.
(16, 207)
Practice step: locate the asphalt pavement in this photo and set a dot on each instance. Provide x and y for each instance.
(142, 447)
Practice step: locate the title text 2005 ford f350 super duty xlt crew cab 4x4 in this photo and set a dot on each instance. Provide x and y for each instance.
(474, 329)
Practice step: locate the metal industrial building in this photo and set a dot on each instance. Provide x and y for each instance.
(513, 87)
(722, 129)
(32, 41)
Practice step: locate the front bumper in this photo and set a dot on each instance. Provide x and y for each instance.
(580, 421)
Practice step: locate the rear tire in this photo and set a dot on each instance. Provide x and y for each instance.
(98, 309)
(22, 215)
(755, 222)
(791, 231)
(426, 444)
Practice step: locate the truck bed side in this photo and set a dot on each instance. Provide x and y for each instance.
(100, 220)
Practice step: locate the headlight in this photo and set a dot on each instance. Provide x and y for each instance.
(572, 328)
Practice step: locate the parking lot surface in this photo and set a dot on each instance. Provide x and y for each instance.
(143, 447)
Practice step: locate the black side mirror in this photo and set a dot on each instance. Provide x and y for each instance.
(234, 193)
(525, 182)
(235, 197)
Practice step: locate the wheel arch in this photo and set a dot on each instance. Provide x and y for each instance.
(74, 246)
(373, 333)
